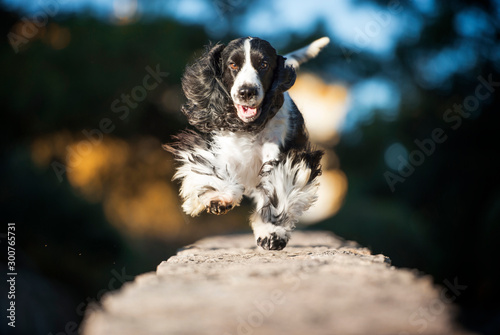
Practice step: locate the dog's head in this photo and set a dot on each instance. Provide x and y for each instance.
(238, 87)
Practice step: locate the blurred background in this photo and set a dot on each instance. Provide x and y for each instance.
(405, 101)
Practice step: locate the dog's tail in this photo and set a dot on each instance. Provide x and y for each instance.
(298, 57)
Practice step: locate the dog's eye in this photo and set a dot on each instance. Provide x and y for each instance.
(233, 66)
(264, 65)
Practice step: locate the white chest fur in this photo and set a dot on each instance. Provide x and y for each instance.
(242, 154)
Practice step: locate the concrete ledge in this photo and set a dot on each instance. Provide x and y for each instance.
(319, 284)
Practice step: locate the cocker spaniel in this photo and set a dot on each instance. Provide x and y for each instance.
(251, 138)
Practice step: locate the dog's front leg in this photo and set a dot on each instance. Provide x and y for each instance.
(207, 184)
(206, 188)
(287, 188)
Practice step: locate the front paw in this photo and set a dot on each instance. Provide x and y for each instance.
(272, 242)
(219, 207)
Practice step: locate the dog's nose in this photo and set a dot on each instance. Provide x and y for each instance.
(247, 93)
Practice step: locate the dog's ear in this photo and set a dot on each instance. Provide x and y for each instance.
(204, 91)
(283, 80)
(284, 76)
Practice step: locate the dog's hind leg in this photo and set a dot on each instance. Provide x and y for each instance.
(287, 188)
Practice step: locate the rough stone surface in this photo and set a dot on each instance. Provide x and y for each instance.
(319, 284)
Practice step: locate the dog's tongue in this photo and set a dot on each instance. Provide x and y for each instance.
(246, 112)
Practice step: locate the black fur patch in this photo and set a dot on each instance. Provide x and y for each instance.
(272, 242)
(312, 158)
(297, 137)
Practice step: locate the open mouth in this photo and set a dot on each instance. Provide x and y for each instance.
(247, 113)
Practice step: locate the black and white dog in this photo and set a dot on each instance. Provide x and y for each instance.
(251, 141)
